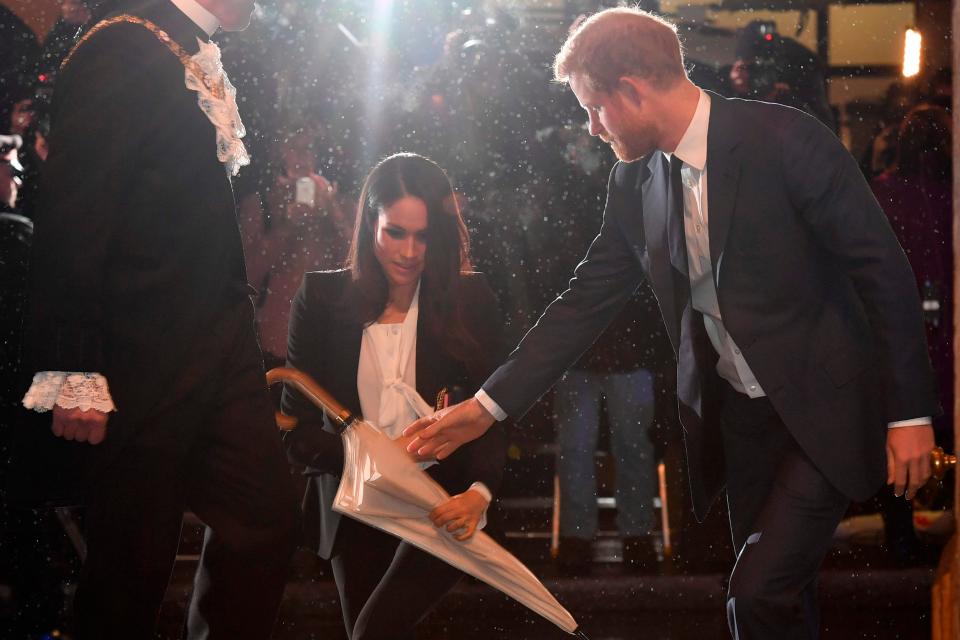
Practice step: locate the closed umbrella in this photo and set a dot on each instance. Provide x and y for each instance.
(383, 487)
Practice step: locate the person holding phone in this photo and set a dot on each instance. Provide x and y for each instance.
(300, 226)
(406, 317)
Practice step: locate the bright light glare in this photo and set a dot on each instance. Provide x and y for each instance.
(379, 43)
(911, 53)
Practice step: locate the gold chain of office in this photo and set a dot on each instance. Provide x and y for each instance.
(217, 89)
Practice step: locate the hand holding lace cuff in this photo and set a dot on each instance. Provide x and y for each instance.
(69, 390)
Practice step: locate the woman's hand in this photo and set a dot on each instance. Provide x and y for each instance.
(461, 513)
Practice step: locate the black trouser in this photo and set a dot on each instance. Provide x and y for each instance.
(386, 586)
(214, 450)
(783, 513)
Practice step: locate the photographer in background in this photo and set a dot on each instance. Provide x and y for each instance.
(304, 229)
(28, 119)
(771, 68)
(75, 16)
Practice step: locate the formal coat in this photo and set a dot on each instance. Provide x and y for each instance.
(138, 274)
(811, 282)
(325, 338)
(137, 254)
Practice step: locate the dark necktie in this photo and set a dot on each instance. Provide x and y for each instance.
(694, 353)
(676, 235)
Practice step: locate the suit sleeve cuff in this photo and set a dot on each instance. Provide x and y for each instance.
(490, 405)
(913, 422)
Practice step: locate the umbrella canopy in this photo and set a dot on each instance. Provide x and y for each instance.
(383, 487)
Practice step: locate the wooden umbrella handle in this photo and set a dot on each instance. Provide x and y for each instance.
(941, 462)
(313, 392)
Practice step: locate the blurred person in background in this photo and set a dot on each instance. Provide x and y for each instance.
(19, 52)
(37, 561)
(28, 119)
(620, 368)
(11, 172)
(917, 196)
(305, 229)
(772, 68)
(406, 323)
(75, 15)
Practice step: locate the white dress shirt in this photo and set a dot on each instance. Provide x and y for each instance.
(692, 150)
(208, 22)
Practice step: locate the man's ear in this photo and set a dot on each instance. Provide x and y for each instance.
(633, 88)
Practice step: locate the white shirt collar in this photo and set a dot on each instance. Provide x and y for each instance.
(692, 148)
(199, 15)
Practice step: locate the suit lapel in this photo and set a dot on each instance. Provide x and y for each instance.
(653, 188)
(432, 363)
(723, 176)
(343, 354)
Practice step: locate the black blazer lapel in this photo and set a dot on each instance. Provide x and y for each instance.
(342, 357)
(429, 374)
(723, 175)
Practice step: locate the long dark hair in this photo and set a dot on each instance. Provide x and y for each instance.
(447, 254)
(924, 146)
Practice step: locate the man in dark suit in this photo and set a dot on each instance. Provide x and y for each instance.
(139, 282)
(792, 310)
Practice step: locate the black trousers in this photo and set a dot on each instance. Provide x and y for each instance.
(214, 450)
(386, 586)
(783, 513)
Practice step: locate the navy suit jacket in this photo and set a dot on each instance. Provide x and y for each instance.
(812, 286)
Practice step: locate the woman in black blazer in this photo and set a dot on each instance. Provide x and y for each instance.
(405, 315)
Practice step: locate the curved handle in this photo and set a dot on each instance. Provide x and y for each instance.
(314, 392)
(941, 462)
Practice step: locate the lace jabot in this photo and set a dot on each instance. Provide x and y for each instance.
(217, 98)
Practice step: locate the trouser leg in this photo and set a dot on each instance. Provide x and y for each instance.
(630, 406)
(577, 414)
(241, 488)
(133, 523)
(360, 557)
(783, 513)
(412, 585)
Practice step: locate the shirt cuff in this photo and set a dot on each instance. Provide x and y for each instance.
(488, 403)
(482, 489)
(69, 390)
(913, 422)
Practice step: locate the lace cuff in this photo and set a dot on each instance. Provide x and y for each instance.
(69, 390)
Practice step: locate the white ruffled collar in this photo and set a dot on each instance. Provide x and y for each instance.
(219, 106)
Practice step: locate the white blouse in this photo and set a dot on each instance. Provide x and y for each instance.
(387, 374)
(387, 379)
